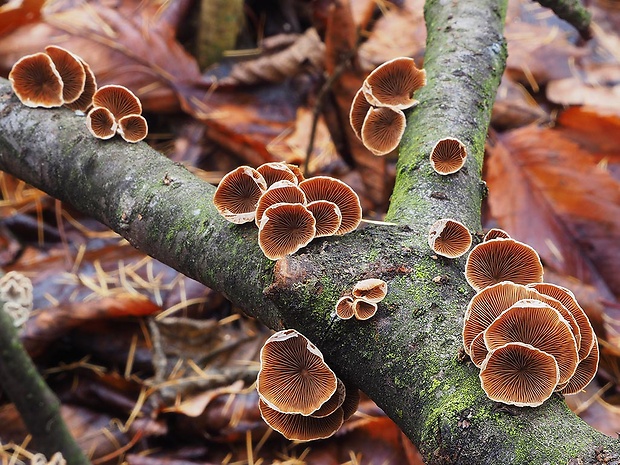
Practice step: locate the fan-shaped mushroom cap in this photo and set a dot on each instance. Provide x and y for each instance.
(280, 192)
(237, 194)
(371, 290)
(293, 377)
(277, 171)
(382, 130)
(449, 238)
(359, 110)
(85, 100)
(351, 401)
(327, 215)
(296, 171)
(299, 427)
(336, 191)
(393, 84)
(118, 99)
(284, 229)
(495, 233)
(500, 260)
(539, 325)
(344, 307)
(519, 374)
(100, 122)
(333, 403)
(363, 309)
(448, 155)
(478, 350)
(71, 72)
(133, 128)
(36, 82)
(585, 372)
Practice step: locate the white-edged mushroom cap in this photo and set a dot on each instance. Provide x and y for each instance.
(327, 215)
(495, 233)
(71, 72)
(394, 83)
(284, 229)
(118, 99)
(36, 81)
(449, 238)
(382, 130)
(448, 155)
(359, 110)
(133, 128)
(237, 194)
(101, 123)
(371, 290)
(344, 307)
(364, 309)
(85, 100)
(283, 191)
(277, 171)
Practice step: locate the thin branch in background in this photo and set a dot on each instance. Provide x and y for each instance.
(574, 13)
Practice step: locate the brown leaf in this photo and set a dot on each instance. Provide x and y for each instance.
(16, 13)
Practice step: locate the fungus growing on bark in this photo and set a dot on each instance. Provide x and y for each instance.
(448, 156)
(293, 377)
(284, 229)
(133, 128)
(71, 71)
(500, 260)
(36, 82)
(359, 110)
(336, 191)
(393, 84)
(351, 401)
(327, 215)
(85, 100)
(279, 192)
(333, 403)
(519, 374)
(364, 309)
(237, 194)
(118, 99)
(344, 307)
(100, 123)
(449, 238)
(382, 129)
(585, 372)
(478, 350)
(495, 233)
(371, 290)
(277, 171)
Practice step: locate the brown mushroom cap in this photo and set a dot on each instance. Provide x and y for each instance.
(363, 309)
(279, 192)
(448, 156)
(359, 110)
(449, 238)
(296, 171)
(118, 99)
(344, 307)
(500, 260)
(495, 233)
(336, 191)
(393, 84)
(535, 323)
(299, 427)
(237, 194)
(327, 215)
(71, 72)
(293, 377)
(85, 100)
(519, 374)
(478, 350)
(585, 372)
(133, 128)
(371, 290)
(382, 129)
(333, 403)
(351, 401)
(284, 229)
(100, 122)
(277, 171)
(36, 82)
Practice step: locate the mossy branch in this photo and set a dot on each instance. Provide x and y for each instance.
(574, 13)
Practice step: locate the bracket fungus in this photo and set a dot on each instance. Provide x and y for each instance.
(358, 112)
(36, 81)
(71, 71)
(333, 403)
(277, 171)
(449, 238)
(344, 307)
(371, 290)
(448, 156)
(382, 129)
(118, 99)
(585, 372)
(237, 194)
(364, 309)
(283, 191)
(394, 83)
(284, 229)
(495, 233)
(85, 100)
(133, 128)
(101, 123)
(327, 215)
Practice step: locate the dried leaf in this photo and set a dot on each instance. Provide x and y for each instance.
(17, 13)
(514, 106)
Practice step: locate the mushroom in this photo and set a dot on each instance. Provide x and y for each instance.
(500, 260)
(336, 191)
(478, 350)
(277, 171)
(449, 238)
(279, 192)
(333, 403)
(36, 81)
(393, 84)
(133, 128)
(118, 99)
(382, 129)
(535, 323)
(371, 290)
(85, 100)
(359, 110)
(584, 373)
(100, 123)
(495, 233)
(284, 229)
(351, 401)
(237, 194)
(519, 374)
(71, 72)
(448, 156)
(344, 307)
(363, 309)
(327, 215)
(293, 377)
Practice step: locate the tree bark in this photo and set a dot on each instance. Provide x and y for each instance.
(407, 357)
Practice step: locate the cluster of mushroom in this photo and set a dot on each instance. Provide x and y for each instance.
(289, 210)
(16, 293)
(299, 395)
(363, 299)
(59, 77)
(528, 338)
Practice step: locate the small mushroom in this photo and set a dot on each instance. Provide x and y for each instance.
(283, 191)
(478, 350)
(71, 72)
(495, 233)
(336, 191)
(333, 403)
(133, 128)
(237, 194)
(36, 81)
(519, 374)
(100, 123)
(85, 100)
(344, 307)
(371, 290)
(118, 99)
(327, 215)
(382, 129)
(449, 238)
(500, 260)
(293, 377)
(359, 110)
(363, 309)
(284, 229)
(448, 156)
(585, 372)
(277, 171)
(393, 84)
(351, 401)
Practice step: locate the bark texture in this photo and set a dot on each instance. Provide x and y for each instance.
(406, 357)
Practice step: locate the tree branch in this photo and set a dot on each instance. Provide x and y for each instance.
(574, 13)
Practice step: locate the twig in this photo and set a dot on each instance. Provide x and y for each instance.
(573, 12)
